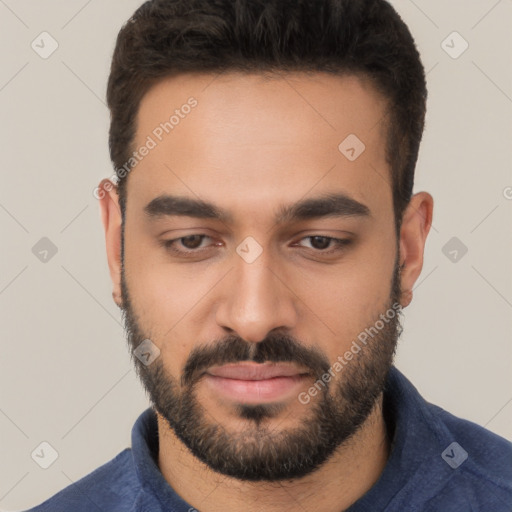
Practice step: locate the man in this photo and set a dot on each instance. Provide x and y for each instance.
(262, 240)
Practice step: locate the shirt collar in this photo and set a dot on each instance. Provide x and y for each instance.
(155, 489)
(417, 437)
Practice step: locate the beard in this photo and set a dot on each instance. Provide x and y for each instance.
(260, 452)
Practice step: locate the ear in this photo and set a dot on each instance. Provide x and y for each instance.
(416, 222)
(112, 221)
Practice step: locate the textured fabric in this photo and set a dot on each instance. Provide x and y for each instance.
(438, 463)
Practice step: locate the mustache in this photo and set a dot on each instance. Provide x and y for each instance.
(276, 348)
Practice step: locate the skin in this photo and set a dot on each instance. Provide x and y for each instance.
(251, 146)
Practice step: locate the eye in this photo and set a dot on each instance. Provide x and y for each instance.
(320, 243)
(191, 243)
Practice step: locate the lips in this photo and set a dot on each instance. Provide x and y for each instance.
(253, 383)
(254, 371)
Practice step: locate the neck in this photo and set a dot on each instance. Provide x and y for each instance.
(343, 479)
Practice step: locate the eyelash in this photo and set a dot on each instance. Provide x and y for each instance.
(340, 245)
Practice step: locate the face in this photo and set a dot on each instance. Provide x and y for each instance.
(257, 255)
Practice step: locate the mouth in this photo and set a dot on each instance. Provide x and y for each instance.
(253, 383)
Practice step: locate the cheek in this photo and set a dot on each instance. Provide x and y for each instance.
(167, 299)
(156, 285)
(350, 296)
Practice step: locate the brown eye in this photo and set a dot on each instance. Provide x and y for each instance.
(320, 242)
(191, 241)
(324, 243)
(186, 245)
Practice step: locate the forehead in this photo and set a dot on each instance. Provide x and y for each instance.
(247, 140)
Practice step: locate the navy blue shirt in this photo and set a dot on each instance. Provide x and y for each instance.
(438, 463)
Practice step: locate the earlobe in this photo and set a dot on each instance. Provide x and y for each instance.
(416, 223)
(117, 299)
(112, 225)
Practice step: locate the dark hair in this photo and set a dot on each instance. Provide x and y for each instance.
(365, 37)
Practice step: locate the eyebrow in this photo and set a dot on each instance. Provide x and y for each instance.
(329, 205)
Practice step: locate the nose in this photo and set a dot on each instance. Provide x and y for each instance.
(256, 299)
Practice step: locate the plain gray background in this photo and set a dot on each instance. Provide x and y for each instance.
(66, 376)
